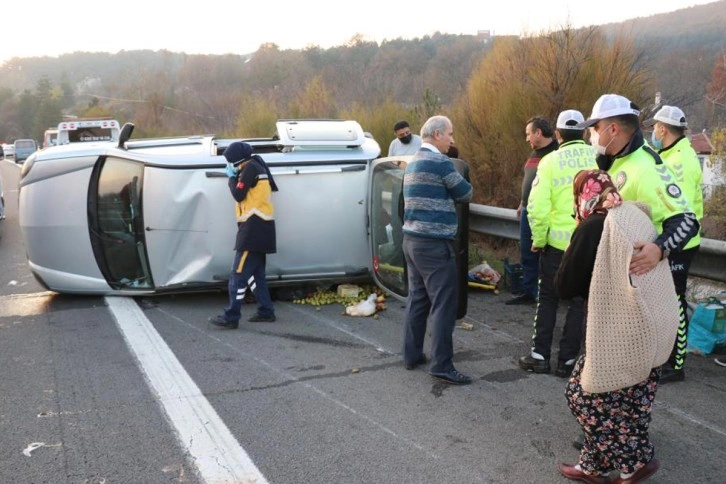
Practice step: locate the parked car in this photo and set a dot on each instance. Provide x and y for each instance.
(24, 148)
(2, 200)
(155, 215)
(8, 151)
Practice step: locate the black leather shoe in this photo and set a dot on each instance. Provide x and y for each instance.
(413, 365)
(258, 318)
(669, 375)
(641, 474)
(453, 377)
(521, 299)
(220, 322)
(564, 370)
(572, 472)
(533, 364)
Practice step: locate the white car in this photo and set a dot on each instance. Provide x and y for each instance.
(8, 151)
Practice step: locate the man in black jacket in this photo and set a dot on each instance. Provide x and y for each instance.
(540, 137)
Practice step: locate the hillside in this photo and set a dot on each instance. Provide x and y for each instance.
(700, 26)
(204, 93)
(680, 48)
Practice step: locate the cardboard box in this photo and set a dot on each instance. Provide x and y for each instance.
(349, 290)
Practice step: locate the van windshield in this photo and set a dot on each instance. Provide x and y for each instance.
(90, 134)
(25, 144)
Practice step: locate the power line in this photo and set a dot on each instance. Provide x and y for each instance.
(142, 101)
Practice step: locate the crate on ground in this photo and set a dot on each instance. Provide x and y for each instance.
(349, 290)
(513, 276)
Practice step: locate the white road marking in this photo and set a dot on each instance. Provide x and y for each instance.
(214, 450)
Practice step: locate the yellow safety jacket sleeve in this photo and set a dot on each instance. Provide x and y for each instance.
(637, 177)
(539, 203)
(683, 162)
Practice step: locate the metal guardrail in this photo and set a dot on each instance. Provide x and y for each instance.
(709, 263)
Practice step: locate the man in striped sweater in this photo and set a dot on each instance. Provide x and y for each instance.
(431, 187)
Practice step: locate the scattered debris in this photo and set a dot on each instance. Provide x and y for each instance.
(342, 295)
(32, 447)
(366, 307)
(36, 445)
(483, 277)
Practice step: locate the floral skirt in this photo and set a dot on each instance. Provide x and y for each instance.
(615, 423)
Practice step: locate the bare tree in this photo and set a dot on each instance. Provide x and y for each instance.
(536, 75)
(716, 91)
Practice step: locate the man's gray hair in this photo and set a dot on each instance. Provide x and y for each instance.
(434, 123)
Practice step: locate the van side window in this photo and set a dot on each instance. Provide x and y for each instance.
(89, 134)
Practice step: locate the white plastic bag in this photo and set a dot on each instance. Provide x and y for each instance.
(483, 273)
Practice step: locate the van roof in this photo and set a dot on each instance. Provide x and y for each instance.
(85, 123)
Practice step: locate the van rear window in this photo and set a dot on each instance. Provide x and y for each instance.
(89, 134)
(25, 144)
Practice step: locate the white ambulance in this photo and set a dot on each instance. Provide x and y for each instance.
(50, 138)
(83, 130)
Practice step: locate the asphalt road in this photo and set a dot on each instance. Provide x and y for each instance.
(143, 390)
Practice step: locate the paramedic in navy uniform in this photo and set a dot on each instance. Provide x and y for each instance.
(251, 185)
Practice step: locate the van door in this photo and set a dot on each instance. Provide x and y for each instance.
(116, 224)
(386, 234)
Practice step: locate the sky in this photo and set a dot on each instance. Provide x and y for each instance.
(50, 28)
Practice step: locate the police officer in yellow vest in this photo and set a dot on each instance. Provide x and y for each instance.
(640, 175)
(549, 210)
(669, 138)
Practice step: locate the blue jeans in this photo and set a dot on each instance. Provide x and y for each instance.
(432, 295)
(248, 272)
(528, 259)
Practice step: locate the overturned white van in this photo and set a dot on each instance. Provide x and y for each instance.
(155, 215)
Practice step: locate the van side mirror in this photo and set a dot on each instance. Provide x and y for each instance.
(125, 134)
